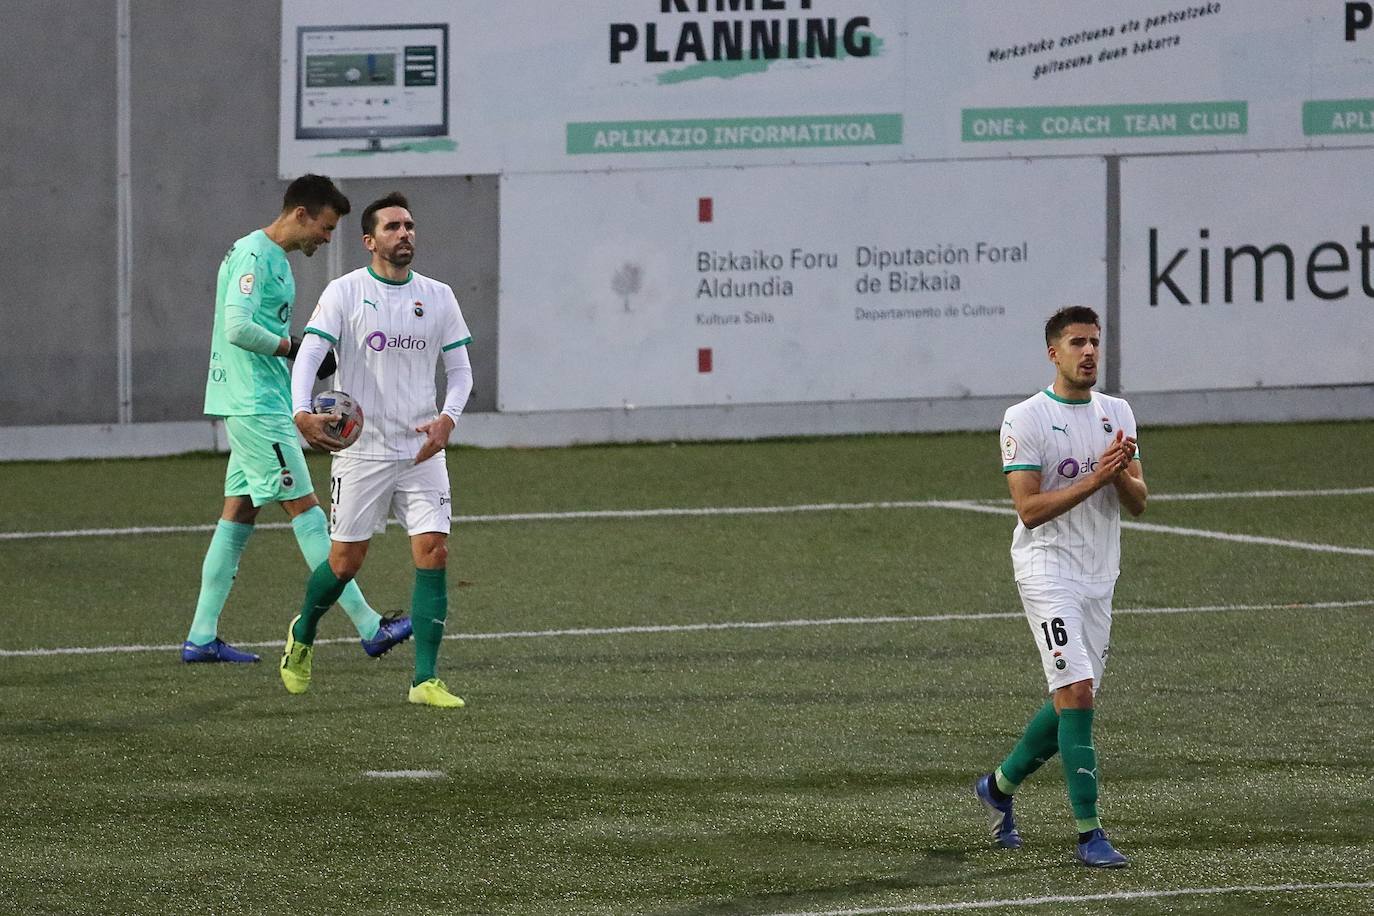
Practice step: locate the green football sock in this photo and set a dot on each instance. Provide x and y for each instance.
(428, 610)
(321, 591)
(1039, 742)
(312, 536)
(1080, 765)
(216, 578)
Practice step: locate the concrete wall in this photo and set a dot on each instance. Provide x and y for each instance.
(57, 191)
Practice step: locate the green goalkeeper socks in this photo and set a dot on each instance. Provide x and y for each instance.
(1039, 742)
(321, 591)
(1080, 765)
(312, 536)
(428, 610)
(216, 578)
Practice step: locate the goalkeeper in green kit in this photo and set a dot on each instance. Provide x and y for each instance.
(249, 386)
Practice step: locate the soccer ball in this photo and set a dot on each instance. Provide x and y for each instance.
(350, 423)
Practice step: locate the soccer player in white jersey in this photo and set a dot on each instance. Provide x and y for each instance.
(1069, 455)
(388, 327)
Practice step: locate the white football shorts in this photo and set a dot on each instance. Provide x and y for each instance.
(363, 493)
(1071, 623)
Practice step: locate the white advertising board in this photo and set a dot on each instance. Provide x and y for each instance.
(1246, 271)
(791, 283)
(1068, 77)
(535, 85)
(444, 87)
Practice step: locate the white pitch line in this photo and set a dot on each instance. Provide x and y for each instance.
(1091, 898)
(971, 505)
(1249, 539)
(1240, 494)
(124, 532)
(987, 509)
(517, 517)
(1261, 494)
(707, 627)
(404, 774)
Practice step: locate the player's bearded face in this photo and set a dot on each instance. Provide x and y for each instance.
(394, 236)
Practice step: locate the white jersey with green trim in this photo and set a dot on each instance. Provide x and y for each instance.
(1061, 440)
(388, 338)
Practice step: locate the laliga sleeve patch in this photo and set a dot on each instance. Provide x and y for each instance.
(1008, 448)
(246, 284)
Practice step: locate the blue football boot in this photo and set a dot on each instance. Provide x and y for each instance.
(394, 630)
(1097, 852)
(1000, 818)
(216, 651)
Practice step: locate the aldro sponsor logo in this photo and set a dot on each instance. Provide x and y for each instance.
(737, 38)
(1070, 468)
(379, 341)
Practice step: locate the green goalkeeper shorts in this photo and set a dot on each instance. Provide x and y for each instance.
(265, 460)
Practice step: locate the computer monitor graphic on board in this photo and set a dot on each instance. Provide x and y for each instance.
(371, 82)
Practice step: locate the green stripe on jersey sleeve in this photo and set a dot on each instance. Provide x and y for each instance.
(331, 339)
(457, 343)
(1020, 467)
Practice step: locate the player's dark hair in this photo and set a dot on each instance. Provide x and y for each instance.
(394, 199)
(1073, 314)
(314, 193)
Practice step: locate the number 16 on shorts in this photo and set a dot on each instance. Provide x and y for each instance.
(1071, 630)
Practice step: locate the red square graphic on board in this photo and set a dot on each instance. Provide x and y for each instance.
(704, 359)
(704, 208)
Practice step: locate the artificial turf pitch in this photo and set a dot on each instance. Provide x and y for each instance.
(721, 712)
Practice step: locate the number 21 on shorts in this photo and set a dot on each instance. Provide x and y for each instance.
(335, 491)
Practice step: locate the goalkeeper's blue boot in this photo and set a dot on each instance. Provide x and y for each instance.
(393, 631)
(215, 651)
(1097, 852)
(1000, 818)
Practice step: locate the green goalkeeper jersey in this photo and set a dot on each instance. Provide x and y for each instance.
(253, 298)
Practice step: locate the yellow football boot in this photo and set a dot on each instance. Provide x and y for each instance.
(295, 662)
(433, 692)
